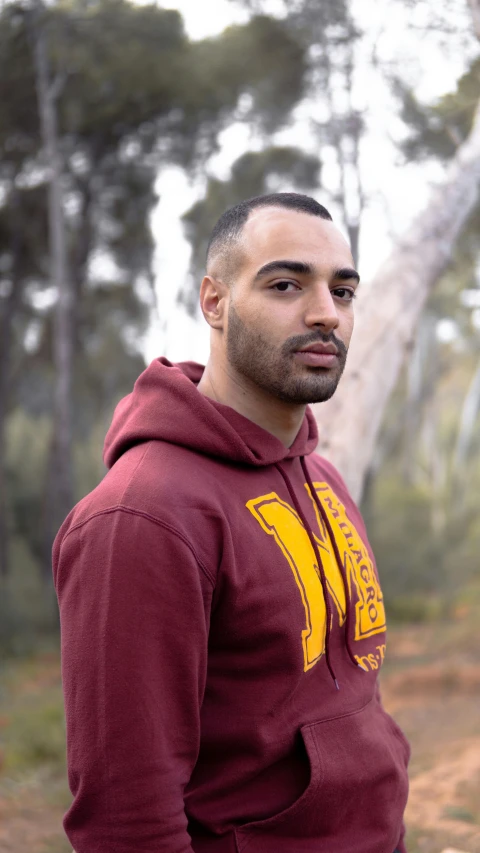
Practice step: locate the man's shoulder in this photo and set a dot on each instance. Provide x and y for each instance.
(152, 478)
(138, 510)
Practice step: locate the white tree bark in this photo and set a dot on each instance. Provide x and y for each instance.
(386, 316)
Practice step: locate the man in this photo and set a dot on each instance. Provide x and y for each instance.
(222, 620)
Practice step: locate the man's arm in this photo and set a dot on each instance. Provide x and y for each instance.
(134, 608)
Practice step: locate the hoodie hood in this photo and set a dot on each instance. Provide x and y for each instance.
(165, 405)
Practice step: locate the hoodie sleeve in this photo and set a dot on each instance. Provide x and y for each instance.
(134, 610)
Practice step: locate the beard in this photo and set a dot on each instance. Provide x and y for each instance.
(277, 371)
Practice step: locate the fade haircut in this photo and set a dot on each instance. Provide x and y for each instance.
(224, 245)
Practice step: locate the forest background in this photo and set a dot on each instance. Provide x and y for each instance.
(99, 101)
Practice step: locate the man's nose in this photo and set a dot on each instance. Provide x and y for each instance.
(321, 309)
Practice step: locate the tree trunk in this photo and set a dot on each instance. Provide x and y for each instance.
(387, 314)
(468, 416)
(7, 317)
(61, 473)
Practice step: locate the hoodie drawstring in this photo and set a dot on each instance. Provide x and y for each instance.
(338, 558)
(321, 570)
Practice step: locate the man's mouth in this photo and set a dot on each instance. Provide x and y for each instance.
(318, 355)
(323, 348)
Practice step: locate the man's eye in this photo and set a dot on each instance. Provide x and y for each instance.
(344, 293)
(283, 286)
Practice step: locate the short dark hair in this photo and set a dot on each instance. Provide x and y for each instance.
(228, 228)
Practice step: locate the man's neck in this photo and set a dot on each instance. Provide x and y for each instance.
(281, 419)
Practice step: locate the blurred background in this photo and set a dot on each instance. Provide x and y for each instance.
(125, 130)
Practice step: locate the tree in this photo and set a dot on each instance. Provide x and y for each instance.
(327, 37)
(385, 327)
(330, 38)
(60, 496)
(421, 501)
(121, 116)
(350, 422)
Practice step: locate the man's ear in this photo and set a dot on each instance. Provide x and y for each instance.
(213, 301)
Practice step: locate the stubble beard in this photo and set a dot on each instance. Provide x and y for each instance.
(277, 371)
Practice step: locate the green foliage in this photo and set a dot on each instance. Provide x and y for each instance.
(36, 736)
(110, 92)
(89, 467)
(132, 95)
(32, 727)
(262, 59)
(18, 113)
(28, 610)
(423, 505)
(408, 556)
(122, 114)
(27, 442)
(108, 185)
(437, 130)
(421, 510)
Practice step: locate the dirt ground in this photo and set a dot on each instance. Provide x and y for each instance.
(430, 683)
(431, 686)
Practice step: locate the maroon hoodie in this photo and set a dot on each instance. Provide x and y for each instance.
(222, 632)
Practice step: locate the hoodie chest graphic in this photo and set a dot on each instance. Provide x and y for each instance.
(281, 521)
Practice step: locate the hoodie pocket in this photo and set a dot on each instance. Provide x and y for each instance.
(356, 795)
(293, 814)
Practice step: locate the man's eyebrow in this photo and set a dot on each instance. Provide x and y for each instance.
(302, 268)
(278, 266)
(346, 273)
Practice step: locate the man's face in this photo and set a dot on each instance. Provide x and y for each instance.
(290, 312)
